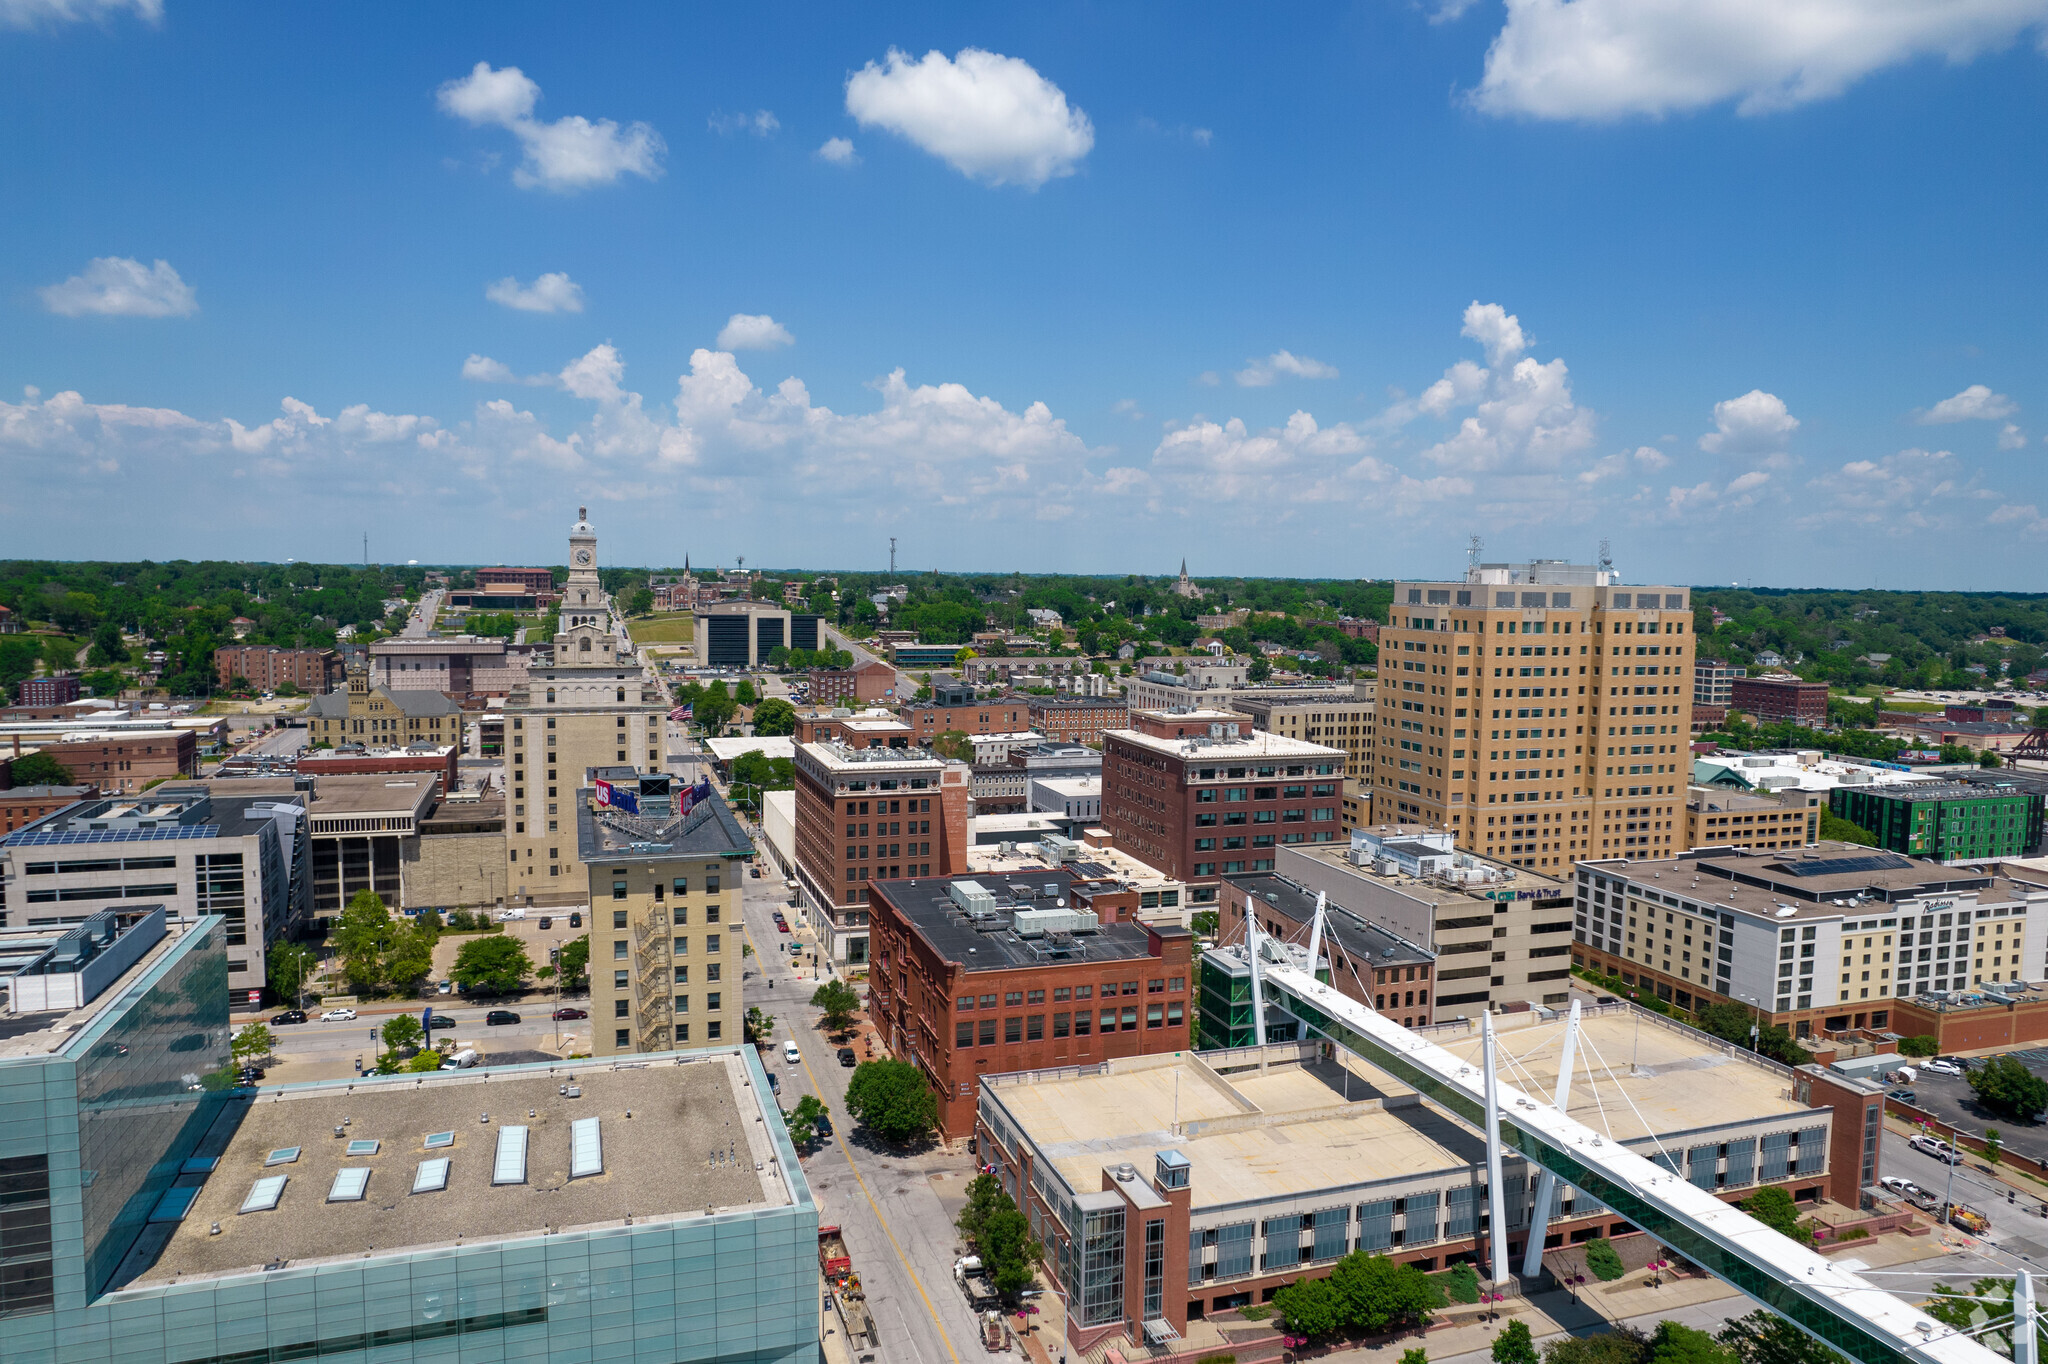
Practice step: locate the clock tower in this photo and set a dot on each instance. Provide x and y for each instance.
(583, 595)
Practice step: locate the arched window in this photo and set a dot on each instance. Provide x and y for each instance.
(551, 696)
(622, 693)
(585, 646)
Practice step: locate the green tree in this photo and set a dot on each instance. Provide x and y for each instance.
(774, 717)
(994, 1229)
(1310, 1307)
(840, 1003)
(759, 1025)
(402, 1031)
(492, 965)
(2006, 1087)
(892, 1100)
(1617, 1345)
(744, 693)
(639, 602)
(1732, 1022)
(40, 769)
(107, 646)
(1415, 1355)
(1603, 1260)
(1514, 1344)
(410, 958)
(954, 744)
(802, 1121)
(1461, 1284)
(287, 966)
(1260, 670)
(1773, 1207)
(252, 1043)
(984, 1195)
(1378, 1295)
(575, 963)
(1993, 1146)
(1923, 1045)
(361, 933)
(1836, 829)
(1672, 1343)
(428, 1059)
(1984, 1311)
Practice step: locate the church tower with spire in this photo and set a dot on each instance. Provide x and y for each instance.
(1184, 587)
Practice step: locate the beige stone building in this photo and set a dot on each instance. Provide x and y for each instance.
(1541, 712)
(1718, 818)
(665, 929)
(1320, 715)
(595, 705)
(380, 717)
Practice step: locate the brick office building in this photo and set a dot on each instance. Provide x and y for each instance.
(48, 691)
(1776, 698)
(118, 763)
(1007, 715)
(842, 843)
(873, 680)
(1202, 795)
(23, 805)
(266, 668)
(976, 976)
(1077, 720)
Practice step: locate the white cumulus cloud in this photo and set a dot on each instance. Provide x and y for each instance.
(1610, 59)
(2011, 437)
(1755, 423)
(484, 370)
(551, 293)
(1976, 403)
(1262, 373)
(116, 286)
(37, 13)
(750, 331)
(839, 151)
(568, 154)
(1495, 328)
(760, 123)
(992, 118)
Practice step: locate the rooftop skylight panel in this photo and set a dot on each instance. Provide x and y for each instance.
(264, 1193)
(586, 1149)
(509, 1165)
(349, 1184)
(283, 1155)
(363, 1146)
(437, 1140)
(432, 1176)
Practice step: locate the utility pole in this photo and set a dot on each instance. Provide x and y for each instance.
(892, 556)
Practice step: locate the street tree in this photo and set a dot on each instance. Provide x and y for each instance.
(802, 1120)
(1514, 1344)
(774, 717)
(492, 965)
(410, 958)
(839, 1001)
(252, 1043)
(1767, 1338)
(361, 933)
(1617, 1345)
(402, 1031)
(2006, 1087)
(1773, 1207)
(892, 1100)
(1672, 1343)
(1310, 1307)
(1377, 1295)
(997, 1232)
(288, 966)
(574, 964)
(759, 1026)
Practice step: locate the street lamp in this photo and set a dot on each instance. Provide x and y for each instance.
(1755, 1020)
(1572, 1279)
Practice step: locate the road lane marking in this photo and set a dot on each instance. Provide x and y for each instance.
(915, 1282)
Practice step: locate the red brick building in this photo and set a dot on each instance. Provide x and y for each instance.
(312, 671)
(861, 684)
(48, 691)
(1368, 963)
(962, 986)
(1076, 720)
(20, 805)
(1006, 715)
(420, 758)
(1778, 698)
(69, 710)
(1202, 795)
(120, 763)
(844, 841)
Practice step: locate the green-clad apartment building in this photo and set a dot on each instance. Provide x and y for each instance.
(1948, 821)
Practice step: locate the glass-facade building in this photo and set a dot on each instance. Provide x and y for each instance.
(97, 1129)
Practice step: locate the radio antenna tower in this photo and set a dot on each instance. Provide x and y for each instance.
(1472, 552)
(892, 556)
(1606, 557)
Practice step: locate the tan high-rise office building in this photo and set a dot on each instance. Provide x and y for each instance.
(595, 705)
(1542, 712)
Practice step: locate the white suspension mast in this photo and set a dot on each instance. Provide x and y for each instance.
(1315, 933)
(1251, 951)
(1546, 1187)
(2026, 1341)
(1496, 1196)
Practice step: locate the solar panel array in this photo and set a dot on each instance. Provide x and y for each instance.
(509, 1165)
(1841, 866)
(43, 838)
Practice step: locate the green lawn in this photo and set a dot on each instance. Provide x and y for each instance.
(670, 629)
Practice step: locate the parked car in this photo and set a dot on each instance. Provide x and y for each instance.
(288, 1016)
(338, 1016)
(821, 1126)
(444, 987)
(546, 922)
(774, 1083)
(782, 926)
(1941, 1068)
(790, 1053)
(497, 1017)
(1936, 1147)
(847, 1058)
(1904, 1096)
(1898, 1185)
(566, 1012)
(249, 1075)
(575, 921)
(441, 1021)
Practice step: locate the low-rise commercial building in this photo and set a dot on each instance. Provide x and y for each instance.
(1823, 938)
(1078, 798)
(244, 858)
(1713, 682)
(313, 671)
(1947, 821)
(1166, 1189)
(1201, 795)
(458, 665)
(861, 684)
(977, 977)
(55, 690)
(872, 814)
(1322, 715)
(1077, 719)
(1787, 818)
(124, 759)
(665, 930)
(928, 720)
(1777, 698)
(22, 805)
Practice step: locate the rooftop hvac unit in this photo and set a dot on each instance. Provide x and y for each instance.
(1036, 923)
(972, 897)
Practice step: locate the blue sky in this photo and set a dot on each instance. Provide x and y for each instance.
(1751, 289)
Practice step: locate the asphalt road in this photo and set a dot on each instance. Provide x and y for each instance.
(323, 1041)
(895, 1208)
(906, 685)
(1950, 1099)
(421, 622)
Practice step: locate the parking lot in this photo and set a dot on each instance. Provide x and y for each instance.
(1949, 1098)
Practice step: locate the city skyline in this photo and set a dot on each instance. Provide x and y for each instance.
(1375, 282)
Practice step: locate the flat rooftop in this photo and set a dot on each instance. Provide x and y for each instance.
(612, 835)
(1299, 1127)
(834, 756)
(47, 1034)
(929, 906)
(1254, 744)
(1518, 882)
(1367, 944)
(695, 1143)
(1816, 881)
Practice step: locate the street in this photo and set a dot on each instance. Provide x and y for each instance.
(896, 1210)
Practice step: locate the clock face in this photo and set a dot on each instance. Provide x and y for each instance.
(582, 556)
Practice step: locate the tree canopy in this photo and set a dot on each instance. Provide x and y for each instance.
(492, 965)
(892, 1100)
(840, 1003)
(2006, 1087)
(40, 769)
(1363, 1293)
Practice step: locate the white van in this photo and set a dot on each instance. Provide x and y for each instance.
(462, 1060)
(511, 916)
